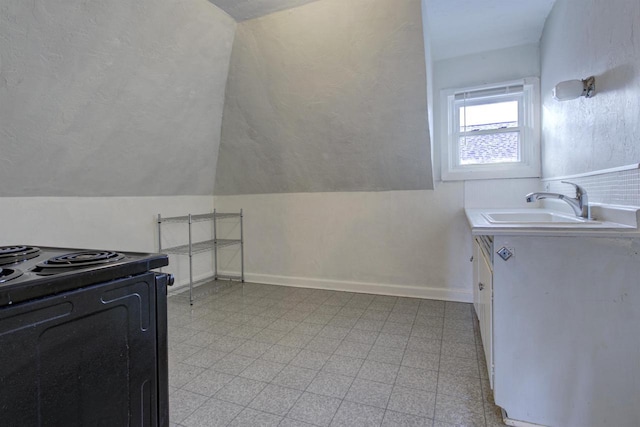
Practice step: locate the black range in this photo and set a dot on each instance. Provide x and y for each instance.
(28, 272)
(83, 337)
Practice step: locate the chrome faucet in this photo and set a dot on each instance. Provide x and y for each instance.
(580, 204)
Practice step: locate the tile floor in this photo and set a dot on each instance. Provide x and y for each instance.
(262, 355)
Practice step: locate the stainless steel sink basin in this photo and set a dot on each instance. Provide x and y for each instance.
(532, 218)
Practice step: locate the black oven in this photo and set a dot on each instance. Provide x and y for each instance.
(83, 338)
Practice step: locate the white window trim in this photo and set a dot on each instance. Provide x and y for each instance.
(529, 165)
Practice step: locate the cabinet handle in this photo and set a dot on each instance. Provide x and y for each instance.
(480, 286)
(471, 259)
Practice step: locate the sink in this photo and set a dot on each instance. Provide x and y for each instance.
(611, 220)
(532, 218)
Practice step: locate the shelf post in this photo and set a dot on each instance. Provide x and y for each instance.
(159, 233)
(241, 248)
(190, 265)
(215, 247)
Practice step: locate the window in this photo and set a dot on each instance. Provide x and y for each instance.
(491, 132)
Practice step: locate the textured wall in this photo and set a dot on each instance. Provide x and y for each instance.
(111, 98)
(330, 96)
(428, 57)
(583, 38)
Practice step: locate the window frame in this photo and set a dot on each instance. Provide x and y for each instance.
(528, 125)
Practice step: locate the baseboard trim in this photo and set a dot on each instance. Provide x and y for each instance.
(413, 291)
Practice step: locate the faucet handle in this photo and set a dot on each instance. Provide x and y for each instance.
(580, 191)
(583, 200)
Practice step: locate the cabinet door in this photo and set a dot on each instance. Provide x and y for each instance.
(485, 287)
(567, 330)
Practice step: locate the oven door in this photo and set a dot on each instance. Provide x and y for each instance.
(93, 356)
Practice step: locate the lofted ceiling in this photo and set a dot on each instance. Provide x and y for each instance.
(328, 97)
(111, 98)
(241, 10)
(457, 27)
(462, 27)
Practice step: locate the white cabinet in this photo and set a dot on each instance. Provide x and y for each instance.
(485, 285)
(566, 316)
(483, 296)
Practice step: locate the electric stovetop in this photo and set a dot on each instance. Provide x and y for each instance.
(30, 272)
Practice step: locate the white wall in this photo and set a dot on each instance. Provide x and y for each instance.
(115, 223)
(583, 38)
(411, 243)
(399, 243)
(118, 98)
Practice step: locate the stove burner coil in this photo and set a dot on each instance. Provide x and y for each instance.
(82, 259)
(76, 261)
(7, 274)
(15, 254)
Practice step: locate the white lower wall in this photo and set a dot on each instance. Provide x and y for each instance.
(500, 193)
(117, 223)
(408, 243)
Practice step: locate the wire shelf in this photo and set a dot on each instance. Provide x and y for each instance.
(200, 217)
(204, 246)
(229, 277)
(222, 215)
(228, 242)
(185, 218)
(214, 244)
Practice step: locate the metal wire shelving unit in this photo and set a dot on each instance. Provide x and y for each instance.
(192, 248)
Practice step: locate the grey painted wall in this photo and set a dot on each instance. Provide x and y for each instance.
(428, 58)
(330, 96)
(111, 98)
(583, 38)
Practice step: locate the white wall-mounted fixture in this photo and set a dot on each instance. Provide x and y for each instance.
(572, 89)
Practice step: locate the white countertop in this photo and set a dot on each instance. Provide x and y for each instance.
(610, 221)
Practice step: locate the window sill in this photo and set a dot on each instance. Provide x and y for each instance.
(494, 173)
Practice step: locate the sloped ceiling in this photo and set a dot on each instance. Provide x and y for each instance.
(241, 10)
(117, 98)
(457, 27)
(125, 98)
(462, 27)
(327, 97)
